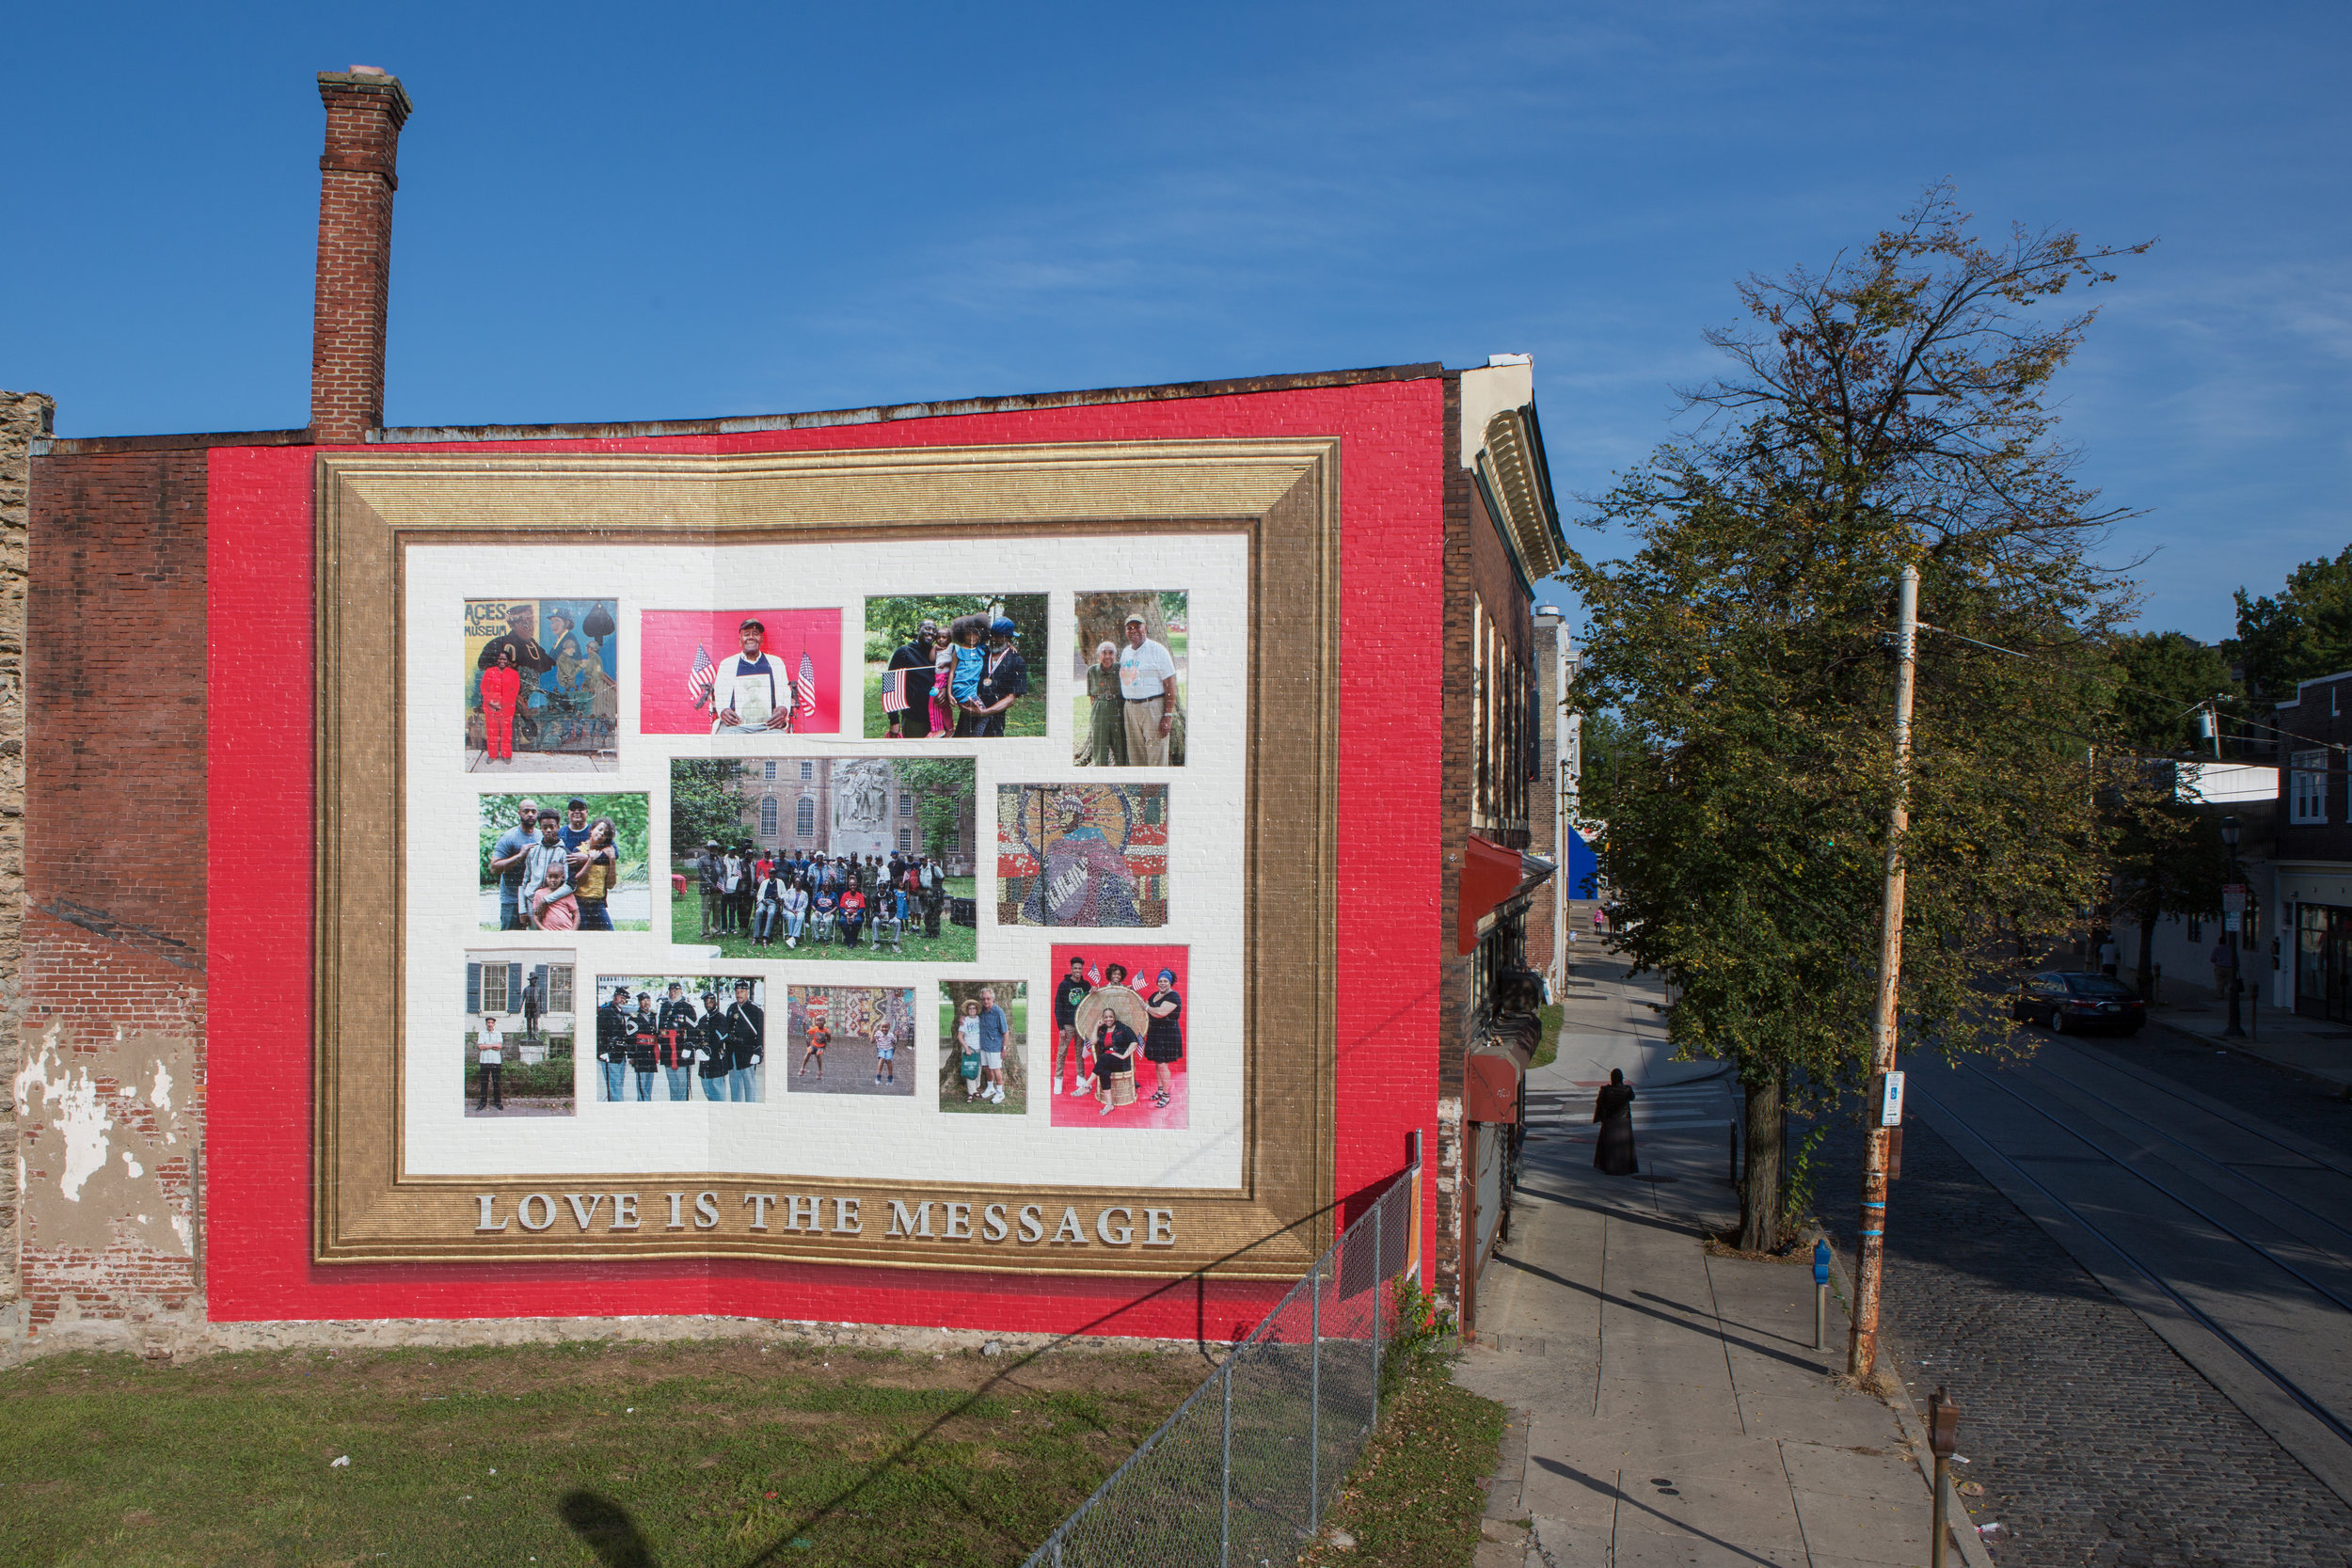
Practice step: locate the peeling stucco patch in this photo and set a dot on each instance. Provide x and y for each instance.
(106, 1138)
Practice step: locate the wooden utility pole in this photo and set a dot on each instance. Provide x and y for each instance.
(1870, 1249)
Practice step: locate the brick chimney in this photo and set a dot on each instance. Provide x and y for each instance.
(365, 110)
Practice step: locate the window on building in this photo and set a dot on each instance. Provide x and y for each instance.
(2195, 929)
(804, 816)
(2307, 786)
(906, 839)
(768, 814)
(808, 770)
(768, 770)
(906, 803)
(494, 988)
(559, 988)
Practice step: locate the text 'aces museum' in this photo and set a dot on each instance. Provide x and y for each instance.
(1036, 865)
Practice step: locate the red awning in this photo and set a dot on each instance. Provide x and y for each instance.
(1491, 874)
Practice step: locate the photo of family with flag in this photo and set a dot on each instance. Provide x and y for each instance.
(755, 674)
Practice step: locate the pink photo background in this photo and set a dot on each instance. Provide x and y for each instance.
(1080, 1110)
(670, 635)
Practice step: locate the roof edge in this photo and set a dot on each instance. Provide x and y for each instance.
(891, 413)
(98, 446)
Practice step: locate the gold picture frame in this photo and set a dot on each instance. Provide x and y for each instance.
(1283, 494)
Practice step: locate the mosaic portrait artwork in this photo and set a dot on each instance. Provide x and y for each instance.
(1089, 856)
(542, 684)
(850, 1039)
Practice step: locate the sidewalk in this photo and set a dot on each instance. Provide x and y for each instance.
(2316, 1048)
(1668, 1406)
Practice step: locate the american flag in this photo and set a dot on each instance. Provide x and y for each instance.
(698, 684)
(806, 683)
(893, 692)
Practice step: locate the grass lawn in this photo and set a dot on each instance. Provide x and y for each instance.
(1027, 717)
(1414, 1500)
(1547, 1049)
(954, 944)
(564, 1454)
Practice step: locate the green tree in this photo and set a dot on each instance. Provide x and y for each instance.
(706, 803)
(1883, 412)
(2162, 677)
(943, 790)
(2304, 632)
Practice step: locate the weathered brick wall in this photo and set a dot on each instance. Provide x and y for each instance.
(24, 417)
(356, 179)
(1453, 984)
(108, 1084)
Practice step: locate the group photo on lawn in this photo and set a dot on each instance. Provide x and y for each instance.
(1131, 659)
(849, 1040)
(672, 1037)
(542, 679)
(1118, 1055)
(753, 674)
(983, 1046)
(835, 858)
(560, 862)
(519, 1027)
(948, 665)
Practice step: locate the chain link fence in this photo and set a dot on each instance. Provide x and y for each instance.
(1240, 1475)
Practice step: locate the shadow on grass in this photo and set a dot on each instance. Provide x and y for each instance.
(909, 1453)
(605, 1527)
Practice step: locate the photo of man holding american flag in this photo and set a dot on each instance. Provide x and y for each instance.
(780, 675)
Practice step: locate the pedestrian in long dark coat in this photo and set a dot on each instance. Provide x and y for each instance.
(1613, 1152)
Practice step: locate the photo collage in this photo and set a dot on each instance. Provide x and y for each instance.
(810, 870)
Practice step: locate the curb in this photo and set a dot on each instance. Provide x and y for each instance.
(2336, 1086)
(1957, 1519)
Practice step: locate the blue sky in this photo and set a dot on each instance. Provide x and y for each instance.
(612, 212)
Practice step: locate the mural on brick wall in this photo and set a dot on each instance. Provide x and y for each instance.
(1083, 855)
(755, 846)
(542, 684)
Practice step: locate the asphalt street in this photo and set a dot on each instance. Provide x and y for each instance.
(2140, 1292)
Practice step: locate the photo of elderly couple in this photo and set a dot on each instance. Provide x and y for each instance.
(664, 1037)
(561, 863)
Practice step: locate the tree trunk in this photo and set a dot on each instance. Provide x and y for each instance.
(2146, 977)
(1760, 1183)
(1101, 618)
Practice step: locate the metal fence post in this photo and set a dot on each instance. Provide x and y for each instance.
(1314, 1408)
(1380, 1290)
(1225, 1471)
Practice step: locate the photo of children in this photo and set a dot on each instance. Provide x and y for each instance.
(983, 1046)
(1123, 1039)
(850, 1039)
(838, 859)
(559, 861)
(1130, 658)
(669, 1036)
(518, 1032)
(751, 675)
(1082, 855)
(942, 665)
(542, 679)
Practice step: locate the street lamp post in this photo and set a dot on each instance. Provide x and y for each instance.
(2233, 1029)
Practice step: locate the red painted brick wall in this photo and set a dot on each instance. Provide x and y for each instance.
(1393, 884)
(115, 811)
